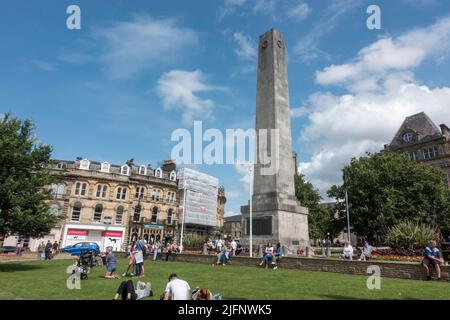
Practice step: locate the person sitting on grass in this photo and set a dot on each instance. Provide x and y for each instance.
(202, 294)
(222, 257)
(267, 256)
(177, 289)
(126, 291)
(110, 264)
(366, 252)
(347, 253)
(432, 257)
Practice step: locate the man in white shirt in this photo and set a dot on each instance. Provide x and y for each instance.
(348, 251)
(177, 289)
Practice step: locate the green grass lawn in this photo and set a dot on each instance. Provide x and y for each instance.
(47, 280)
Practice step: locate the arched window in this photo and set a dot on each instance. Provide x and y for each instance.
(76, 211)
(98, 213)
(53, 209)
(125, 170)
(143, 170)
(154, 215)
(119, 215)
(170, 197)
(169, 216)
(158, 173)
(80, 188)
(140, 191)
(105, 167)
(57, 190)
(173, 175)
(101, 191)
(137, 213)
(121, 193)
(84, 164)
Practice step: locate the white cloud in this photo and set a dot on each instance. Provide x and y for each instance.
(234, 2)
(243, 171)
(42, 65)
(388, 55)
(298, 112)
(245, 48)
(229, 7)
(381, 92)
(179, 90)
(299, 11)
(139, 45)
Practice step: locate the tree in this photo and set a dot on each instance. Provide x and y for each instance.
(321, 219)
(386, 188)
(24, 180)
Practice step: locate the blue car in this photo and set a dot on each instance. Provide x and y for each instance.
(82, 247)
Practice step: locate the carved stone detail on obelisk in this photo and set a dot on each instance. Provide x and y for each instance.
(277, 215)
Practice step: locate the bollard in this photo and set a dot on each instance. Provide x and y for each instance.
(308, 251)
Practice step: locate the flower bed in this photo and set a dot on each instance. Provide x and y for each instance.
(396, 257)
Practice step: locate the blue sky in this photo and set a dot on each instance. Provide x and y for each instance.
(137, 70)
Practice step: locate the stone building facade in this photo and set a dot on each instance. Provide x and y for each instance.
(232, 226)
(422, 140)
(221, 200)
(114, 204)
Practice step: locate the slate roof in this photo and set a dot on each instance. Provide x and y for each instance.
(421, 125)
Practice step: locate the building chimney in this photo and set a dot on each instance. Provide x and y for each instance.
(445, 130)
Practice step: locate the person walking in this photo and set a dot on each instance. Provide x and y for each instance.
(55, 248)
(19, 248)
(139, 256)
(48, 250)
(157, 251)
(233, 247)
(40, 251)
(131, 259)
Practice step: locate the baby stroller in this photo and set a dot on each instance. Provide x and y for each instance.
(85, 262)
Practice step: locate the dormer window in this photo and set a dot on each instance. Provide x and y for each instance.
(105, 167)
(158, 173)
(61, 166)
(125, 170)
(84, 164)
(408, 137)
(142, 170)
(173, 176)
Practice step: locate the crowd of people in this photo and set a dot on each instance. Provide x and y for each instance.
(48, 251)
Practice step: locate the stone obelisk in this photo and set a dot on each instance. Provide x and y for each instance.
(277, 215)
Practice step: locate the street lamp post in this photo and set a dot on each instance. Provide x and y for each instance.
(346, 208)
(182, 221)
(250, 170)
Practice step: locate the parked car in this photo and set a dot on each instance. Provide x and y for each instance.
(8, 249)
(80, 247)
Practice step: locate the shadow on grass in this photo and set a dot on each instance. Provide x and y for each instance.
(14, 267)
